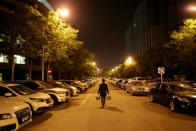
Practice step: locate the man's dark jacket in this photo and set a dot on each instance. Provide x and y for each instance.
(103, 89)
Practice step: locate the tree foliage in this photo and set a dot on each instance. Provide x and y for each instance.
(35, 36)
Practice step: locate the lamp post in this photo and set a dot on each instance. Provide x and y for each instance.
(63, 13)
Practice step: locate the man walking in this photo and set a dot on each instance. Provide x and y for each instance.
(103, 90)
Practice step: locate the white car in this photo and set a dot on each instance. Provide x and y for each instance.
(39, 102)
(63, 94)
(14, 114)
(59, 87)
(75, 91)
(138, 87)
(57, 94)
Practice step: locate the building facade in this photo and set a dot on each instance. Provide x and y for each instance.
(21, 69)
(153, 21)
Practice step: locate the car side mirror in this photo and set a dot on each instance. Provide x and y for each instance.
(7, 94)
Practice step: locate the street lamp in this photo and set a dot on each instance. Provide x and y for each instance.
(63, 12)
(191, 8)
(94, 63)
(128, 61)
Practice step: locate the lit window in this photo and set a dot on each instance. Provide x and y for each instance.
(1, 39)
(19, 59)
(3, 58)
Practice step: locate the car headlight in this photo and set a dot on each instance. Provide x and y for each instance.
(183, 99)
(61, 92)
(5, 116)
(38, 99)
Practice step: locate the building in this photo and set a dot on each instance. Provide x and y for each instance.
(21, 69)
(152, 23)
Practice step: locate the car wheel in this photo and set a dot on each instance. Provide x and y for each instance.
(172, 106)
(152, 98)
(80, 90)
(55, 100)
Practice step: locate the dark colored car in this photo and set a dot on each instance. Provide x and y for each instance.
(176, 95)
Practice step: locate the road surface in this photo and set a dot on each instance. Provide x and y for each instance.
(123, 113)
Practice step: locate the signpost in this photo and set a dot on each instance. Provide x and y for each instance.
(161, 70)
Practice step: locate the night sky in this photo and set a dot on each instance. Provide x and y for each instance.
(102, 25)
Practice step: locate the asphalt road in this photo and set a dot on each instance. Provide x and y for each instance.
(123, 113)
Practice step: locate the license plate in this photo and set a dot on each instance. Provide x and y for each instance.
(26, 118)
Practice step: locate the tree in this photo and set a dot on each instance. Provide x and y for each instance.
(183, 43)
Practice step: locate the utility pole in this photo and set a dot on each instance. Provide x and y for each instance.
(43, 58)
(43, 63)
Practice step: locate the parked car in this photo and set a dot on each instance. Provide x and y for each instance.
(176, 95)
(118, 83)
(56, 85)
(74, 90)
(14, 114)
(138, 87)
(39, 102)
(80, 86)
(57, 94)
(124, 84)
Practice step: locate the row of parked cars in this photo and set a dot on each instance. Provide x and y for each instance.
(134, 86)
(177, 95)
(19, 100)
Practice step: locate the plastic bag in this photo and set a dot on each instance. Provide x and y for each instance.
(97, 97)
(108, 97)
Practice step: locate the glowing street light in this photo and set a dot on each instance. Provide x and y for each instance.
(94, 63)
(128, 61)
(63, 12)
(191, 8)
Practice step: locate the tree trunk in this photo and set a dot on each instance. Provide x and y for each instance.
(30, 69)
(48, 68)
(59, 74)
(13, 66)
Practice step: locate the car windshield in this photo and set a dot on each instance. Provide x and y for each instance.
(45, 85)
(53, 84)
(22, 90)
(182, 87)
(64, 84)
(33, 86)
(138, 83)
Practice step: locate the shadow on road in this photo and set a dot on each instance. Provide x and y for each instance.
(38, 119)
(163, 110)
(113, 109)
(61, 106)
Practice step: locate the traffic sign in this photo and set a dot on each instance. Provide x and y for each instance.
(161, 70)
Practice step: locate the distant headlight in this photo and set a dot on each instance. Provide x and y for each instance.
(183, 99)
(5, 116)
(38, 99)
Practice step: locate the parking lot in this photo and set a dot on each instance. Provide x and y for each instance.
(124, 112)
